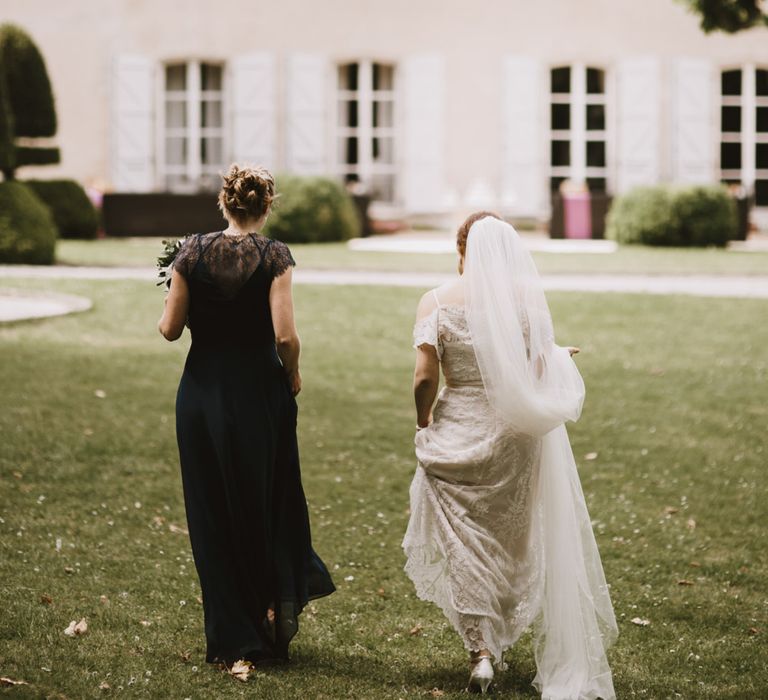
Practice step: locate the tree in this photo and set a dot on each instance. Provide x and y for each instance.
(729, 16)
(27, 108)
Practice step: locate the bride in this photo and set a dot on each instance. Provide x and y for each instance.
(499, 535)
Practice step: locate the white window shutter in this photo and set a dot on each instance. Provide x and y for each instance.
(133, 151)
(423, 95)
(253, 109)
(693, 130)
(638, 133)
(524, 178)
(307, 114)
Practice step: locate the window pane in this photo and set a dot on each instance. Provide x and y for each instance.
(383, 77)
(730, 118)
(383, 114)
(176, 150)
(210, 77)
(761, 83)
(555, 182)
(175, 114)
(730, 156)
(595, 81)
(348, 113)
(595, 154)
(595, 117)
(761, 156)
(383, 150)
(176, 77)
(761, 122)
(731, 82)
(383, 188)
(561, 117)
(761, 193)
(561, 153)
(212, 113)
(348, 150)
(348, 76)
(597, 184)
(212, 150)
(561, 80)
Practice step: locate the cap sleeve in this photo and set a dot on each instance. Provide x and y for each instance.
(425, 332)
(278, 259)
(186, 258)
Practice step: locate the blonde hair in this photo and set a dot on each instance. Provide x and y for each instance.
(247, 192)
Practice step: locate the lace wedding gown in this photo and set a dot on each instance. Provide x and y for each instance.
(477, 535)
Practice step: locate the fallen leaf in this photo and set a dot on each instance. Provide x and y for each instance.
(685, 582)
(185, 656)
(695, 564)
(177, 529)
(416, 631)
(45, 599)
(753, 630)
(158, 521)
(4, 680)
(240, 669)
(68, 570)
(691, 524)
(103, 600)
(75, 629)
(381, 592)
(590, 456)
(436, 693)
(17, 475)
(100, 394)
(145, 623)
(104, 686)
(640, 621)
(670, 510)
(743, 569)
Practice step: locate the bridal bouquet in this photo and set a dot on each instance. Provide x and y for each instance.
(165, 261)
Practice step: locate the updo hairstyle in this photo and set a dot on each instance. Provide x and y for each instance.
(247, 193)
(463, 232)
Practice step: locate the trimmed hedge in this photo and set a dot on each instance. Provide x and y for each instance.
(662, 216)
(312, 210)
(27, 231)
(72, 211)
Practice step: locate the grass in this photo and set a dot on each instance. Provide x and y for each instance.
(627, 260)
(675, 411)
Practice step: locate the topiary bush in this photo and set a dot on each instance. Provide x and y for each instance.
(312, 210)
(662, 216)
(706, 215)
(27, 231)
(73, 213)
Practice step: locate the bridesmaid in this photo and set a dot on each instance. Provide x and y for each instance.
(236, 428)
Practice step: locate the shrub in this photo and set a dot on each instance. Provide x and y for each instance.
(27, 231)
(707, 216)
(312, 210)
(73, 213)
(661, 216)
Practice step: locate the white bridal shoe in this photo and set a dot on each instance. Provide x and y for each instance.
(481, 676)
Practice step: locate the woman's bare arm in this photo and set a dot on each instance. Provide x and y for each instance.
(284, 324)
(426, 376)
(171, 323)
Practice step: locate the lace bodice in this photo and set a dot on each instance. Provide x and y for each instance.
(446, 330)
(229, 280)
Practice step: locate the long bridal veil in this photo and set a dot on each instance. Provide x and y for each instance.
(534, 386)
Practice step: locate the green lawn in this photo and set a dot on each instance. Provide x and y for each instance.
(676, 411)
(630, 260)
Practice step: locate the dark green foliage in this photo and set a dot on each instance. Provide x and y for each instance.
(7, 150)
(27, 230)
(312, 210)
(73, 213)
(31, 155)
(643, 215)
(660, 216)
(706, 216)
(29, 89)
(728, 15)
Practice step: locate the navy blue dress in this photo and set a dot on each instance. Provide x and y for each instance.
(236, 431)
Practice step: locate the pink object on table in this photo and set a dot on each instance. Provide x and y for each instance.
(578, 215)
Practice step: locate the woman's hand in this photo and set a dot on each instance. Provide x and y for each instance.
(572, 351)
(294, 381)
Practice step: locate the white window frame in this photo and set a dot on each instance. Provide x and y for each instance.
(577, 136)
(365, 132)
(194, 132)
(749, 137)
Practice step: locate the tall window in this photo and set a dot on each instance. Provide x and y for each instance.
(193, 127)
(744, 130)
(578, 126)
(365, 132)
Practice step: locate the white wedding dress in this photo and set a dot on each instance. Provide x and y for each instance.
(498, 522)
